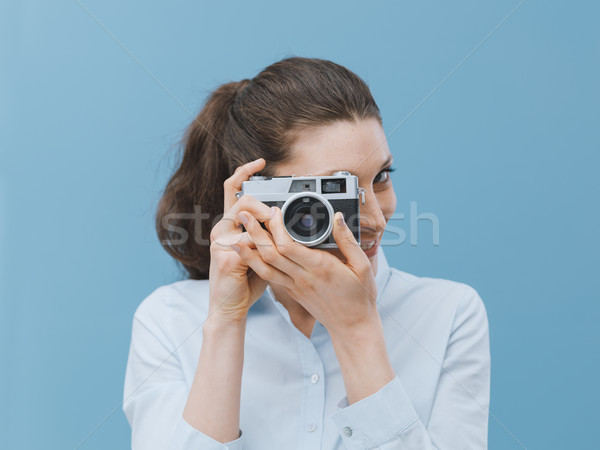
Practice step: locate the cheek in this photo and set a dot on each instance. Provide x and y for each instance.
(387, 202)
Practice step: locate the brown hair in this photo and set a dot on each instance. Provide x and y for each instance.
(243, 121)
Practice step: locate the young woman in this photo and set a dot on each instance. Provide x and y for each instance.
(270, 344)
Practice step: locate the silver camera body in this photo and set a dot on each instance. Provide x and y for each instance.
(309, 203)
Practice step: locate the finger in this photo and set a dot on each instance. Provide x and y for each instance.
(264, 270)
(231, 223)
(233, 184)
(248, 203)
(268, 249)
(227, 241)
(346, 242)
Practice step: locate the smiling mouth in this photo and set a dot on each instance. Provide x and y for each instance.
(367, 245)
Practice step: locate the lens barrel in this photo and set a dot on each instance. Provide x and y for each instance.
(308, 218)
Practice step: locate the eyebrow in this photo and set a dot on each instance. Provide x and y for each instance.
(386, 162)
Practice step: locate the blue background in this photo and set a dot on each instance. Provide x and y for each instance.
(505, 152)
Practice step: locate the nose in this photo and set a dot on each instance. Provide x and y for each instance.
(372, 219)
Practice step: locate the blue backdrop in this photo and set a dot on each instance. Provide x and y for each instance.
(492, 114)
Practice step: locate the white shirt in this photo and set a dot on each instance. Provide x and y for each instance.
(293, 397)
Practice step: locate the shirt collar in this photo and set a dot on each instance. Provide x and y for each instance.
(383, 272)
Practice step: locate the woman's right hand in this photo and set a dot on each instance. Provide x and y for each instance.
(232, 289)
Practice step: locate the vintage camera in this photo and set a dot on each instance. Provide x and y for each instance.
(309, 203)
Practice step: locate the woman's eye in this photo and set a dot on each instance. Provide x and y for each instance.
(383, 176)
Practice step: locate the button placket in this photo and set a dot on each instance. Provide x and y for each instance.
(313, 393)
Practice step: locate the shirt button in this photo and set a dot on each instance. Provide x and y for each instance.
(312, 427)
(314, 378)
(347, 431)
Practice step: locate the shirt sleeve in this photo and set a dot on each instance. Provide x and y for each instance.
(155, 390)
(387, 420)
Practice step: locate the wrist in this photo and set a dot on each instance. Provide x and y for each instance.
(367, 332)
(364, 361)
(219, 324)
(364, 345)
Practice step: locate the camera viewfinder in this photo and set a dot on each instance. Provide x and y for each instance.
(337, 186)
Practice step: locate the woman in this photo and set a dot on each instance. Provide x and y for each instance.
(338, 350)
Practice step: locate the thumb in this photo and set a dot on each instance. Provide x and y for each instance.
(346, 242)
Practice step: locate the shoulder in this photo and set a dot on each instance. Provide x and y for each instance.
(188, 298)
(429, 289)
(435, 297)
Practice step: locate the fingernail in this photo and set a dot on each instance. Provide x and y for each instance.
(272, 211)
(340, 220)
(243, 218)
(236, 248)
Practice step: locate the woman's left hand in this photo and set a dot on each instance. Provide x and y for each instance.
(340, 295)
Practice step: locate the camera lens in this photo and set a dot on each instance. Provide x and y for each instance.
(307, 219)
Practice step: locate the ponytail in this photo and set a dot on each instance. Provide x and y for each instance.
(193, 197)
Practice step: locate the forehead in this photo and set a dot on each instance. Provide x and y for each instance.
(359, 147)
